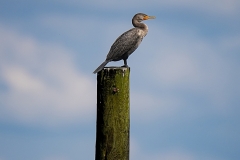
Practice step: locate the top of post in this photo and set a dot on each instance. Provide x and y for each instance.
(114, 70)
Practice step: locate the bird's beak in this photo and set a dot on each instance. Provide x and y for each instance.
(148, 17)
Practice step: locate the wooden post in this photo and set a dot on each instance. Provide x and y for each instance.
(113, 118)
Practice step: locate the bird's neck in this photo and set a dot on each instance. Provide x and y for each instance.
(140, 25)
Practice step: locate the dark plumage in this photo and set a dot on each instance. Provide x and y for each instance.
(128, 42)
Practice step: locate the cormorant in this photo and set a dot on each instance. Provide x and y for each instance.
(128, 42)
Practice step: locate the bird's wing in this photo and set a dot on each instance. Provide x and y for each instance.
(127, 42)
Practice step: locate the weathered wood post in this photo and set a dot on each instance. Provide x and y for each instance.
(113, 118)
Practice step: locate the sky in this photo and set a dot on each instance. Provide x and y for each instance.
(184, 82)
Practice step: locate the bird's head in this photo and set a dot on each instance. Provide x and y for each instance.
(141, 17)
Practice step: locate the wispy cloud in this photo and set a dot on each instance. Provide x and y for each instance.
(187, 62)
(184, 77)
(42, 83)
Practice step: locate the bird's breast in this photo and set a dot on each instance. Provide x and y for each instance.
(142, 33)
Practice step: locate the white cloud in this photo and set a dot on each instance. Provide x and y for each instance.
(187, 62)
(43, 84)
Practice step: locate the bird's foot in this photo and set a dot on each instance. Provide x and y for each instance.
(125, 65)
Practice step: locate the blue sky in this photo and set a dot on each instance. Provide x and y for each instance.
(185, 79)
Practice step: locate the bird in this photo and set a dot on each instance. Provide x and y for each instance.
(128, 42)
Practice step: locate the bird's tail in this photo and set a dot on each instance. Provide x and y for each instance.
(101, 67)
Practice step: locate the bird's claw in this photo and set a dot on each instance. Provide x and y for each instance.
(125, 65)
